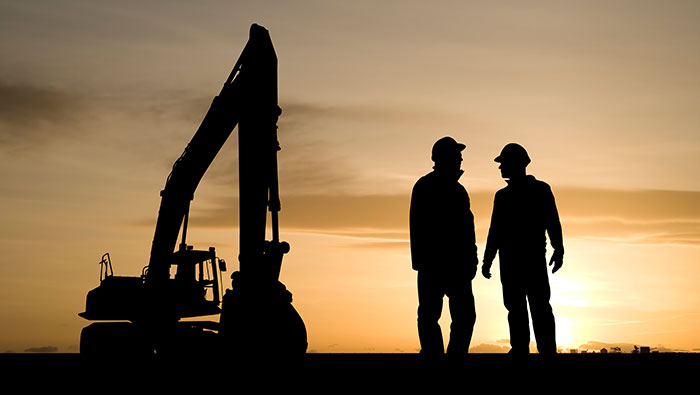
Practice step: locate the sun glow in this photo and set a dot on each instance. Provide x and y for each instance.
(565, 332)
(569, 292)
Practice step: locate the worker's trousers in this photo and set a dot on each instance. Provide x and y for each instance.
(432, 288)
(527, 283)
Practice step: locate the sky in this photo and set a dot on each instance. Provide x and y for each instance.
(98, 99)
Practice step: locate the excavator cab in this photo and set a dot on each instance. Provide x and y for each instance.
(196, 282)
(193, 291)
(124, 307)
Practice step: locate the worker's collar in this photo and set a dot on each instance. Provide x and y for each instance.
(448, 173)
(520, 180)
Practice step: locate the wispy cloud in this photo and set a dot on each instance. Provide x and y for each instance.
(32, 116)
(307, 113)
(29, 114)
(639, 217)
(43, 349)
(330, 213)
(134, 121)
(310, 161)
(489, 349)
(629, 205)
(319, 188)
(650, 217)
(628, 322)
(381, 245)
(137, 120)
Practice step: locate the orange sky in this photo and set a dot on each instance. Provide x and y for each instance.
(97, 100)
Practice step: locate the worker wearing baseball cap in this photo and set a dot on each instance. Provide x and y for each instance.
(443, 251)
(523, 212)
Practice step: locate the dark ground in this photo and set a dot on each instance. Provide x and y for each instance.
(332, 373)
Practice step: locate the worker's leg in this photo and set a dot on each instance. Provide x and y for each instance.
(542, 315)
(430, 296)
(518, 321)
(463, 315)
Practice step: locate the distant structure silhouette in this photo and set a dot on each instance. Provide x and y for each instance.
(443, 251)
(522, 212)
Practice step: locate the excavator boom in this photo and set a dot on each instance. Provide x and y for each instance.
(248, 99)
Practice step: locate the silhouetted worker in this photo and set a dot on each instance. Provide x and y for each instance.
(522, 212)
(443, 251)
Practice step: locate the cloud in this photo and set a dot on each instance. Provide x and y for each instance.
(43, 349)
(641, 216)
(489, 349)
(320, 212)
(644, 217)
(322, 191)
(307, 163)
(135, 120)
(629, 205)
(29, 114)
(168, 104)
(311, 161)
(381, 245)
(305, 112)
(32, 116)
(308, 160)
(314, 137)
(636, 232)
(629, 216)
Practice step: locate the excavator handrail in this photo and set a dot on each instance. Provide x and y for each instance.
(106, 266)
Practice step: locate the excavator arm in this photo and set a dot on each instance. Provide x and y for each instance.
(248, 99)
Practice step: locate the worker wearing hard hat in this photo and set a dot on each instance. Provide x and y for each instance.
(522, 212)
(443, 251)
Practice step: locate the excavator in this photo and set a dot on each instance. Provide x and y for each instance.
(154, 315)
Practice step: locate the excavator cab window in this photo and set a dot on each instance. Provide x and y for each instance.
(198, 269)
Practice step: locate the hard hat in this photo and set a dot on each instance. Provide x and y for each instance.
(445, 147)
(513, 153)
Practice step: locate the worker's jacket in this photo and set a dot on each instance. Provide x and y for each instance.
(522, 212)
(442, 225)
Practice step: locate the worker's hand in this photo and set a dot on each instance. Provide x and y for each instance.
(472, 272)
(473, 267)
(557, 261)
(486, 270)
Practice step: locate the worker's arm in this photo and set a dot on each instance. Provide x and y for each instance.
(417, 226)
(472, 256)
(492, 241)
(555, 232)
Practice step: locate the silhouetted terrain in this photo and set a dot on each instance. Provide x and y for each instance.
(367, 372)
